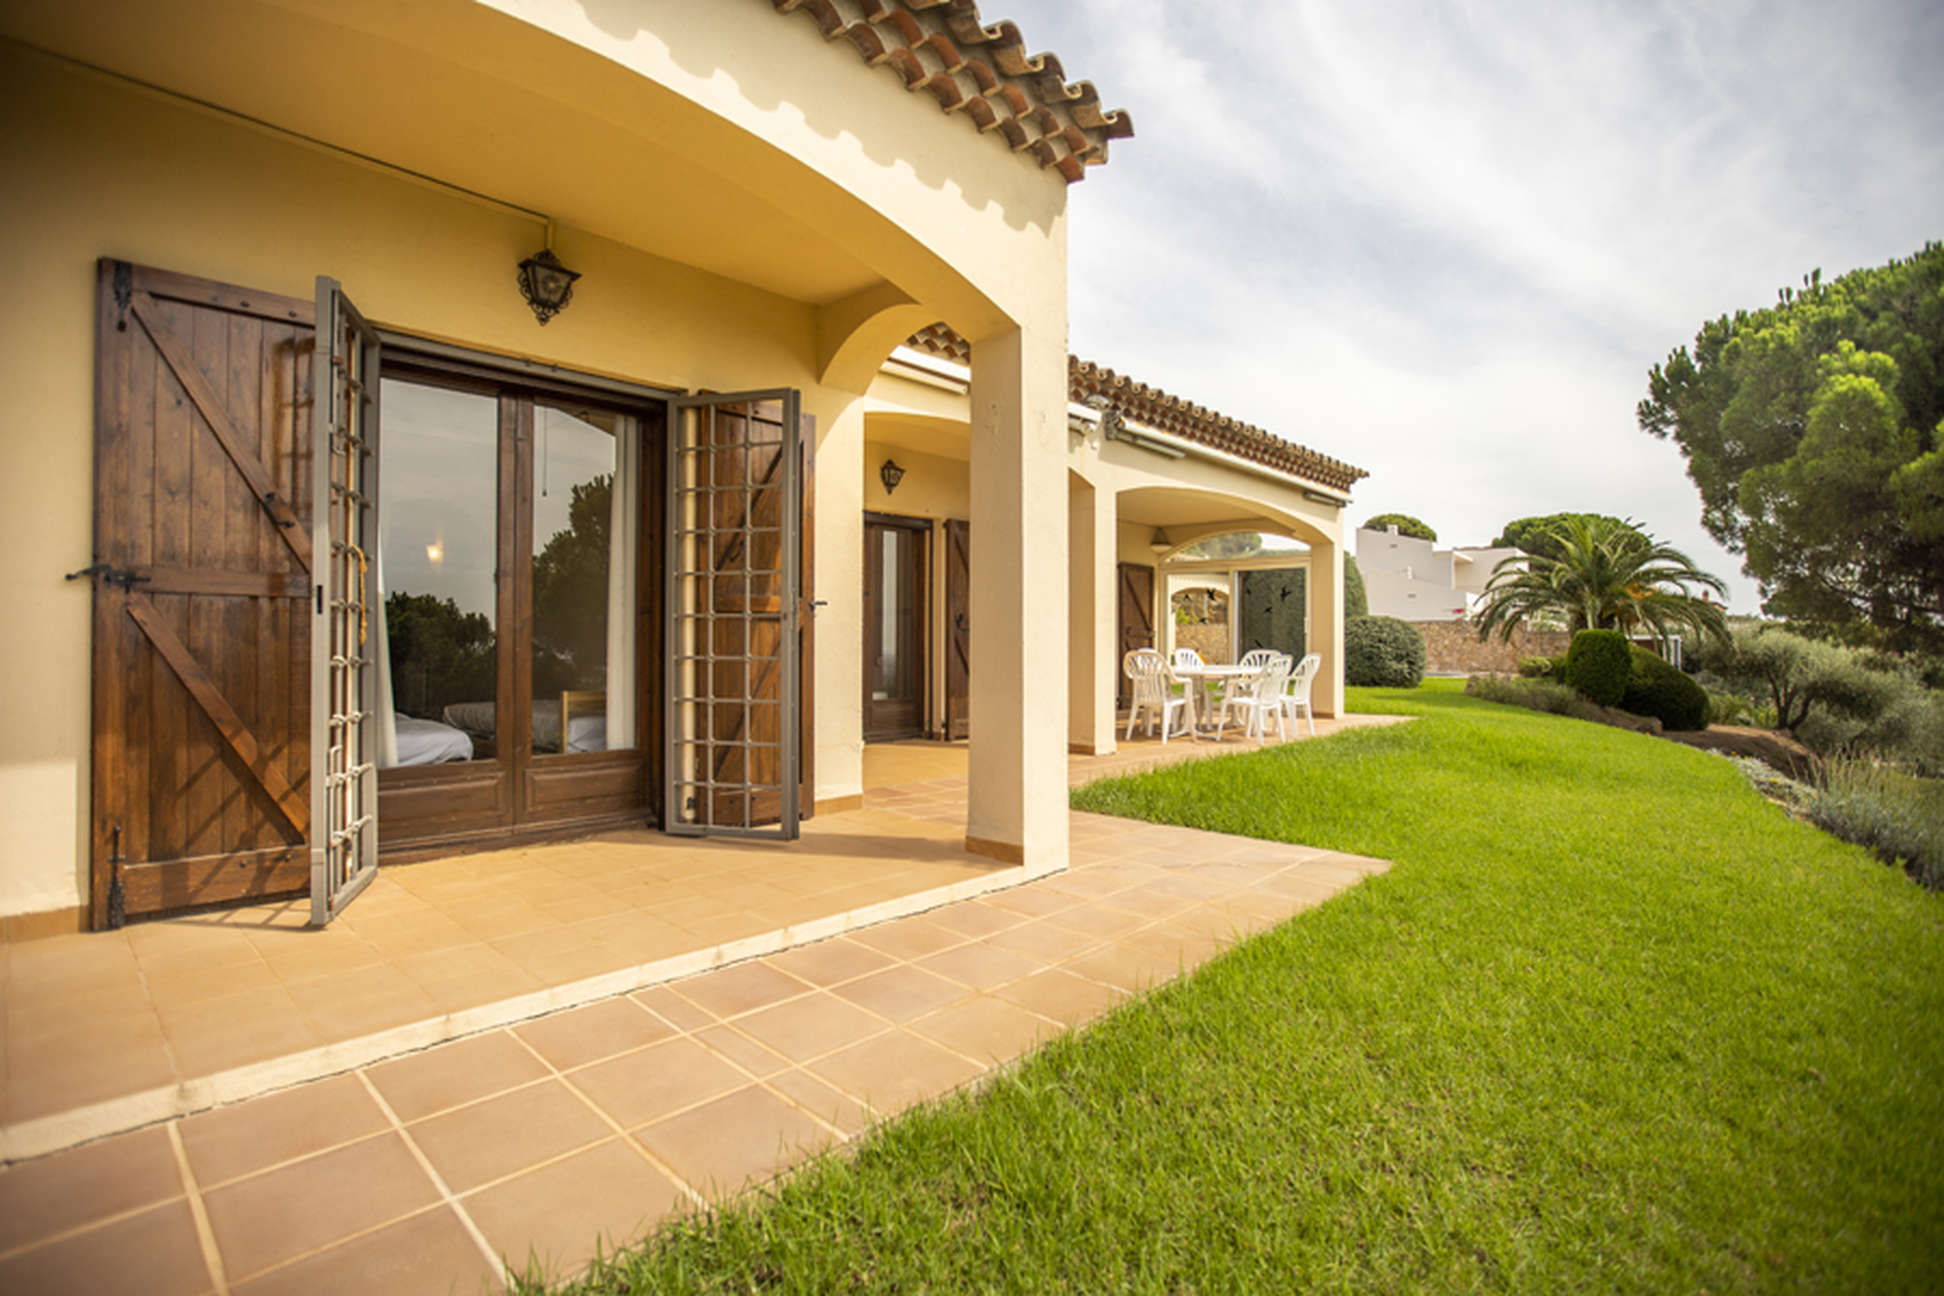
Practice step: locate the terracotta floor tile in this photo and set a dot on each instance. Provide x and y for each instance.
(901, 993)
(282, 1213)
(219, 1046)
(811, 1026)
(1130, 969)
(41, 1079)
(154, 1253)
(450, 1074)
(672, 1008)
(248, 1136)
(982, 965)
(892, 1071)
(743, 988)
(738, 1048)
(975, 918)
(750, 1134)
(1043, 940)
(495, 1138)
(909, 938)
(582, 1035)
(830, 962)
(1065, 998)
(1099, 921)
(550, 1220)
(657, 1081)
(429, 1252)
(827, 1104)
(985, 1029)
(1030, 901)
(68, 1189)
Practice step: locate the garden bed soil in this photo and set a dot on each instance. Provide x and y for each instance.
(1774, 749)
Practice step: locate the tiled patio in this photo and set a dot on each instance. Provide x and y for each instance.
(547, 1127)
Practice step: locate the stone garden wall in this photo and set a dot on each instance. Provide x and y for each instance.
(1453, 648)
(1211, 641)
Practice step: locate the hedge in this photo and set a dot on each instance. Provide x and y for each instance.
(1598, 665)
(1382, 652)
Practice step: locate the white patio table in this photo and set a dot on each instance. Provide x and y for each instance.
(1202, 680)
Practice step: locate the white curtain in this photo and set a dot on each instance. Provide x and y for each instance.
(380, 652)
(624, 522)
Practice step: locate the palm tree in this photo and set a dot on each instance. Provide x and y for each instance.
(1609, 575)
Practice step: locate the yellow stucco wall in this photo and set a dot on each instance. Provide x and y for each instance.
(97, 168)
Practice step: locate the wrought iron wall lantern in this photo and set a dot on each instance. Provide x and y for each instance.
(546, 284)
(890, 475)
(1160, 543)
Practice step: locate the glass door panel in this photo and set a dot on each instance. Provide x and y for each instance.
(584, 579)
(894, 638)
(437, 571)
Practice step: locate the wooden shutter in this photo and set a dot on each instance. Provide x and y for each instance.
(1136, 620)
(958, 629)
(733, 605)
(201, 744)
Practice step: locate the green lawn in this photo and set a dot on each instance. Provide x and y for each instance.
(1612, 1022)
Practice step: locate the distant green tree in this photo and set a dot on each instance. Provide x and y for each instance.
(1237, 544)
(439, 654)
(1814, 430)
(570, 596)
(1405, 524)
(1609, 575)
(1356, 598)
(1540, 535)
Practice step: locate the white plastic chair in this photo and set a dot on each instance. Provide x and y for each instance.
(1298, 696)
(1262, 697)
(1153, 691)
(1239, 687)
(1188, 659)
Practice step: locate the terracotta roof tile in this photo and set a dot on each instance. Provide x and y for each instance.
(943, 48)
(1163, 412)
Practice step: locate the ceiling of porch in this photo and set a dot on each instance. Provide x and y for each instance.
(494, 118)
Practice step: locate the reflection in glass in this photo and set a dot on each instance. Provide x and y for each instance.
(439, 471)
(583, 580)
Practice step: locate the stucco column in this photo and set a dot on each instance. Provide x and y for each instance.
(839, 523)
(1326, 625)
(1091, 645)
(1018, 789)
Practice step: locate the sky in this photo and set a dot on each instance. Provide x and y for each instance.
(1446, 242)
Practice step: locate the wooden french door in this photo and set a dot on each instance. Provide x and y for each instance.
(203, 579)
(958, 629)
(896, 561)
(1136, 615)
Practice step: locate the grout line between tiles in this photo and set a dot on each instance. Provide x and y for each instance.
(438, 1181)
(627, 1138)
(205, 1235)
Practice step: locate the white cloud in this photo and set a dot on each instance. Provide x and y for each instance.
(1446, 242)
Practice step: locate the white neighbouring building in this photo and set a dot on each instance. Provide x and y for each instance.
(1414, 580)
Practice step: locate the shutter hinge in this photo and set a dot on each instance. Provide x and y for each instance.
(124, 577)
(124, 294)
(117, 898)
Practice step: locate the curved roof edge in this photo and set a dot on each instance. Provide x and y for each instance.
(1167, 413)
(943, 48)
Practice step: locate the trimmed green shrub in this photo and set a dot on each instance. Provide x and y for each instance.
(1657, 689)
(1598, 665)
(1382, 652)
(1536, 667)
(1535, 695)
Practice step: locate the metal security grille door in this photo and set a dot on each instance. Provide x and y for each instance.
(344, 544)
(732, 606)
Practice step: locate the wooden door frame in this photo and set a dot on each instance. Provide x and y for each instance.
(535, 794)
(920, 529)
(956, 722)
(1123, 688)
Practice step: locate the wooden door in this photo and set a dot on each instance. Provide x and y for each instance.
(958, 629)
(895, 674)
(202, 561)
(1136, 621)
(733, 607)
